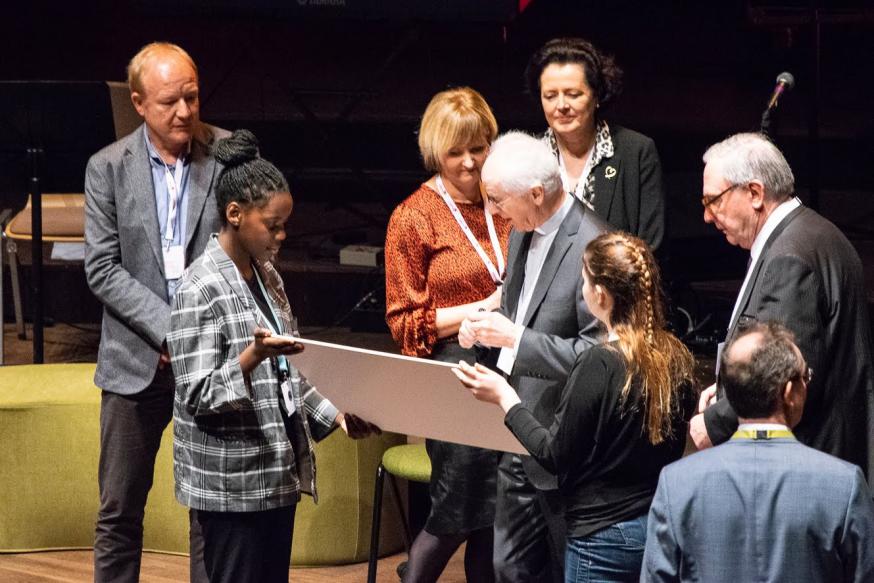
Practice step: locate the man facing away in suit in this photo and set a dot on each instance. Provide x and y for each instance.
(542, 325)
(763, 506)
(149, 211)
(805, 274)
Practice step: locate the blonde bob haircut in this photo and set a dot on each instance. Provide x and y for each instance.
(454, 117)
(146, 54)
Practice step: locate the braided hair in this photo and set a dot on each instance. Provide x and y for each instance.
(626, 268)
(246, 178)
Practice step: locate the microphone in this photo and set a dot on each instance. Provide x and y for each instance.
(785, 82)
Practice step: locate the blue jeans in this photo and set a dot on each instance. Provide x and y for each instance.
(614, 553)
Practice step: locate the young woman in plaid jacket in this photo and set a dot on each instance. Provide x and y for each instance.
(244, 419)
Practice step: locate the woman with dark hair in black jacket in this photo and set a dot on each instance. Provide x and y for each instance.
(613, 170)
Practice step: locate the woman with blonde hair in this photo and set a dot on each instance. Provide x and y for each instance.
(622, 414)
(444, 258)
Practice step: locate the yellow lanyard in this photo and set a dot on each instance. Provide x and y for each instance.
(762, 434)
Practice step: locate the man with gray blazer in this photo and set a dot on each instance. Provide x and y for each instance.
(805, 274)
(542, 326)
(763, 506)
(149, 211)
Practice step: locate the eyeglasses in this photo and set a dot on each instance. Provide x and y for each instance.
(709, 201)
(806, 376)
(498, 204)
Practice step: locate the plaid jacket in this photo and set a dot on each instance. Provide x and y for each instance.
(231, 450)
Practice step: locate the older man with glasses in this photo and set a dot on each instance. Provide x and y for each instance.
(804, 273)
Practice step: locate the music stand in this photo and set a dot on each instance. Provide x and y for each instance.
(48, 130)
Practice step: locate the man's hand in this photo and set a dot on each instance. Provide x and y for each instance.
(164, 359)
(490, 329)
(707, 398)
(698, 431)
(356, 427)
(466, 335)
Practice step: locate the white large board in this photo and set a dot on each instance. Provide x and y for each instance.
(403, 394)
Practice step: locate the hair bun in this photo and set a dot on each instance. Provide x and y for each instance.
(239, 148)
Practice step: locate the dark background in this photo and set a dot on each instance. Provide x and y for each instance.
(334, 90)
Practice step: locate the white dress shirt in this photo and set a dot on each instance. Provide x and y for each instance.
(772, 222)
(541, 242)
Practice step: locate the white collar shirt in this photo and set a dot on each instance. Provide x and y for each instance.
(771, 223)
(541, 242)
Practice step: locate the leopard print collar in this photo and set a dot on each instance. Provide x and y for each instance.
(585, 189)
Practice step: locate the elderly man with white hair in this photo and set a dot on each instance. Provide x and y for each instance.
(542, 325)
(805, 274)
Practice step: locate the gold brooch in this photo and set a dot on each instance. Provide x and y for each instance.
(609, 172)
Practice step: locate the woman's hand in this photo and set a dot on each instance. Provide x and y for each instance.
(493, 302)
(267, 345)
(486, 385)
(356, 427)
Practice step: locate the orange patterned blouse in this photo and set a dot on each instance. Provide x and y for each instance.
(430, 264)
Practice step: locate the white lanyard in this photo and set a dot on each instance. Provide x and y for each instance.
(579, 191)
(174, 190)
(269, 321)
(496, 273)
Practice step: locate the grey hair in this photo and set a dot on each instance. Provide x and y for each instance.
(754, 385)
(519, 162)
(751, 156)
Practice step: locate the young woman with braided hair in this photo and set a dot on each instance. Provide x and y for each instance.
(622, 415)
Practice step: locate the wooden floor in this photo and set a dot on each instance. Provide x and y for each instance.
(75, 567)
(65, 343)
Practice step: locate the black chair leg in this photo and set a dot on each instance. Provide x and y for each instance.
(374, 525)
(396, 494)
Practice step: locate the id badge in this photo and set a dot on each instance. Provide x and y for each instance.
(174, 261)
(287, 398)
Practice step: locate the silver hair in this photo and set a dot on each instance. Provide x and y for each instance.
(519, 162)
(751, 156)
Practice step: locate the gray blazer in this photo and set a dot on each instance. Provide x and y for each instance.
(766, 510)
(123, 260)
(809, 277)
(558, 325)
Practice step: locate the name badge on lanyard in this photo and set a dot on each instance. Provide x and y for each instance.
(496, 273)
(282, 367)
(174, 254)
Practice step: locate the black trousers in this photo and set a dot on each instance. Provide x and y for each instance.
(247, 547)
(530, 528)
(130, 435)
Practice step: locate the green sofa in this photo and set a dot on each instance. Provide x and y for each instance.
(49, 447)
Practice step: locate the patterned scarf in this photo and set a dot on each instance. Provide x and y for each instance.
(585, 190)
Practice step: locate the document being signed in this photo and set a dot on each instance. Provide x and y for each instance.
(403, 394)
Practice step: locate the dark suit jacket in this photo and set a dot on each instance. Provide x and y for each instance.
(558, 325)
(123, 260)
(809, 277)
(767, 510)
(629, 193)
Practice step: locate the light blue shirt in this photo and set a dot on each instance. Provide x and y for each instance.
(162, 200)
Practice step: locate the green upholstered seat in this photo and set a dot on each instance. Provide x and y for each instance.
(49, 449)
(410, 462)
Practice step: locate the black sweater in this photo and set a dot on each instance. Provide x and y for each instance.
(607, 468)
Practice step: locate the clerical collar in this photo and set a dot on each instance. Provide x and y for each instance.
(554, 222)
